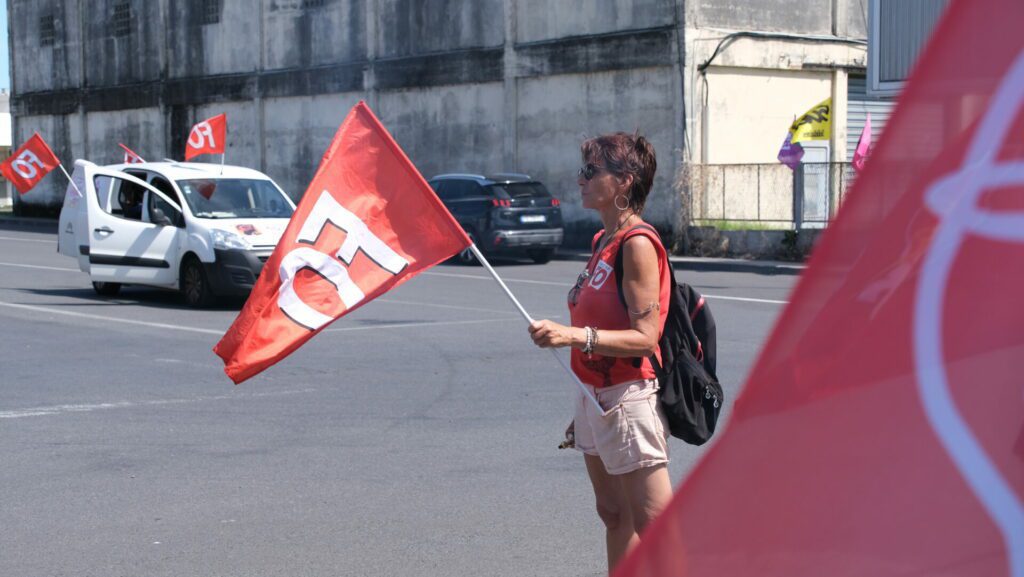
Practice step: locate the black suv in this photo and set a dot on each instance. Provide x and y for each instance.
(509, 214)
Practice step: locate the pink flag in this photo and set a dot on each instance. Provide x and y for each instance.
(860, 156)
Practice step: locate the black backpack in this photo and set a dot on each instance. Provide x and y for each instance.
(690, 394)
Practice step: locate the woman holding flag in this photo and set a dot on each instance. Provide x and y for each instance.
(625, 448)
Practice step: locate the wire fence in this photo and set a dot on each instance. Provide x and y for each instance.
(770, 196)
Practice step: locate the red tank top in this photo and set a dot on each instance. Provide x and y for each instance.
(598, 305)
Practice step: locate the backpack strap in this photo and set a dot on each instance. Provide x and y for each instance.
(618, 257)
(637, 361)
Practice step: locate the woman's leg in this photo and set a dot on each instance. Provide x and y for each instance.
(613, 509)
(647, 492)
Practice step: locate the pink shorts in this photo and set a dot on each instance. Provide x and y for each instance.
(634, 433)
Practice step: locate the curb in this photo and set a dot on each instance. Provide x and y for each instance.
(26, 222)
(768, 267)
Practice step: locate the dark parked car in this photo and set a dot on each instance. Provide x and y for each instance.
(509, 214)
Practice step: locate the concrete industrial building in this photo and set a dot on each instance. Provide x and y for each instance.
(464, 85)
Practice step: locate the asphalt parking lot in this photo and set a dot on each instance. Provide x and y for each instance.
(415, 437)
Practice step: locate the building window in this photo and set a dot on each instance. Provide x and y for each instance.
(309, 4)
(211, 11)
(122, 21)
(47, 30)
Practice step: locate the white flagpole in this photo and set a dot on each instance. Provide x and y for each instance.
(64, 170)
(522, 311)
(222, 155)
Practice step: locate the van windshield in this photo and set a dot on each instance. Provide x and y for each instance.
(234, 198)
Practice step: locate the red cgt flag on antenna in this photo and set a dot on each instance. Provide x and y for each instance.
(29, 164)
(130, 157)
(367, 223)
(207, 137)
(881, 431)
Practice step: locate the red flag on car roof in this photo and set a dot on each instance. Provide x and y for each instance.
(29, 164)
(207, 137)
(130, 157)
(367, 223)
(881, 431)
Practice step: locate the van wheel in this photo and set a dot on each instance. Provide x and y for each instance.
(467, 257)
(541, 255)
(195, 287)
(107, 289)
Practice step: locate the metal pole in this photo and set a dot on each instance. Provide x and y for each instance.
(75, 186)
(480, 257)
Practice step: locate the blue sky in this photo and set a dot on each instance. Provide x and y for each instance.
(5, 64)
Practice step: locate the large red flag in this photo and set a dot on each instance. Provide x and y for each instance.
(881, 431)
(207, 137)
(29, 164)
(367, 223)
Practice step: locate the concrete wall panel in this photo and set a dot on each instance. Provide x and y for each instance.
(243, 133)
(40, 66)
(796, 16)
(448, 129)
(329, 34)
(141, 129)
(201, 44)
(538, 20)
(297, 132)
(557, 113)
(119, 55)
(410, 27)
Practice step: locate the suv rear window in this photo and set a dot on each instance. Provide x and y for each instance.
(521, 190)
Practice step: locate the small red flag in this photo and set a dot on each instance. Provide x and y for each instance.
(880, 430)
(367, 223)
(207, 137)
(29, 164)
(130, 157)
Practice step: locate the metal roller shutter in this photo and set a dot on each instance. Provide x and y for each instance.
(858, 107)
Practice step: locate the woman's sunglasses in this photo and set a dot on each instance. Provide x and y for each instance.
(589, 171)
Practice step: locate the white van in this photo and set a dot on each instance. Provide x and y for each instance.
(202, 229)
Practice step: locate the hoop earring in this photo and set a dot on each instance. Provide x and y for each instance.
(615, 201)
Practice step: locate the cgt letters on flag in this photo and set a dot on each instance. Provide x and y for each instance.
(367, 223)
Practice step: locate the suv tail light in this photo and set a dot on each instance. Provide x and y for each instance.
(556, 202)
(501, 202)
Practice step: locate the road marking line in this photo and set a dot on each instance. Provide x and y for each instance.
(749, 300)
(220, 332)
(111, 319)
(25, 239)
(421, 324)
(519, 280)
(39, 266)
(90, 407)
(568, 286)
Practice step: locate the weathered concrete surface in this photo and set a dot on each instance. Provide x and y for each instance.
(448, 129)
(410, 27)
(546, 20)
(556, 113)
(296, 132)
(477, 86)
(751, 244)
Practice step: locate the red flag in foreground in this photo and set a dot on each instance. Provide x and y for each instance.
(207, 137)
(29, 164)
(882, 429)
(130, 157)
(367, 223)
